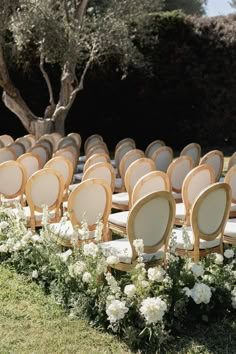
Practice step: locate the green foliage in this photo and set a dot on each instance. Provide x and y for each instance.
(190, 7)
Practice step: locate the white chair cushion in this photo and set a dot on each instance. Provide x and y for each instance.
(65, 230)
(222, 179)
(119, 218)
(177, 195)
(233, 207)
(118, 182)
(203, 244)
(230, 228)
(180, 211)
(121, 198)
(122, 249)
(113, 162)
(82, 158)
(77, 177)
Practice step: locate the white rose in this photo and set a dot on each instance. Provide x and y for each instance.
(229, 253)
(201, 293)
(153, 309)
(116, 311)
(156, 274)
(130, 290)
(218, 258)
(197, 269)
(112, 260)
(35, 274)
(86, 277)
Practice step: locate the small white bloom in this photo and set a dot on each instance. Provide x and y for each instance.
(3, 248)
(229, 253)
(116, 311)
(197, 269)
(112, 260)
(90, 249)
(156, 274)
(187, 291)
(153, 309)
(218, 258)
(3, 225)
(86, 277)
(65, 255)
(144, 284)
(35, 274)
(130, 290)
(139, 246)
(36, 238)
(201, 293)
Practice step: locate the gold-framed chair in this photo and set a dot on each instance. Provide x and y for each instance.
(214, 158)
(193, 150)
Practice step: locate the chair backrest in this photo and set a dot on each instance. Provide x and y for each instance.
(64, 166)
(77, 138)
(44, 188)
(92, 140)
(98, 157)
(153, 146)
(151, 182)
(6, 154)
(47, 142)
(195, 181)
(129, 157)
(18, 147)
(210, 212)
(31, 162)
(162, 157)
(32, 138)
(215, 158)
(90, 200)
(194, 150)
(121, 151)
(178, 170)
(64, 141)
(232, 161)
(101, 170)
(56, 138)
(125, 140)
(6, 139)
(230, 178)
(12, 180)
(136, 170)
(151, 219)
(42, 151)
(26, 141)
(100, 146)
(69, 154)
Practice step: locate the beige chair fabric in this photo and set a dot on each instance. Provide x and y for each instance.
(31, 163)
(230, 178)
(193, 150)
(163, 156)
(153, 146)
(41, 151)
(7, 154)
(214, 158)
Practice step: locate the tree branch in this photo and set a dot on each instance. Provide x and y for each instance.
(80, 10)
(61, 109)
(51, 108)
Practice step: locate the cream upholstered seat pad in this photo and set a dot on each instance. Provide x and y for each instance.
(120, 198)
(122, 249)
(177, 195)
(119, 218)
(180, 212)
(38, 215)
(178, 233)
(233, 207)
(77, 177)
(66, 230)
(230, 228)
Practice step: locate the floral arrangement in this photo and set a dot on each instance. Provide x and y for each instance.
(143, 306)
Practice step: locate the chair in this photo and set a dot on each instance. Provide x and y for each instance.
(209, 214)
(31, 162)
(77, 138)
(195, 181)
(92, 140)
(69, 154)
(12, 182)
(153, 181)
(88, 202)
(229, 237)
(230, 178)
(41, 151)
(153, 146)
(44, 188)
(18, 148)
(25, 141)
(150, 219)
(136, 169)
(101, 170)
(215, 158)
(64, 141)
(6, 139)
(177, 171)
(31, 138)
(96, 148)
(194, 150)
(47, 142)
(6, 154)
(120, 152)
(232, 161)
(125, 140)
(162, 157)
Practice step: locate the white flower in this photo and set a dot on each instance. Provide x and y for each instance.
(90, 249)
(3, 248)
(35, 274)
(144, 283)
(153, 309)
(77, 268)
(86, 277)
(116, 310)
(36, 238)
(130, 290)
(3, 225)
(112, 260)
(218, 258)
(65, 255)
(139, 246)
(156, 274)
(187, 291)
(229, 253)
(197, 269)
(201, 293)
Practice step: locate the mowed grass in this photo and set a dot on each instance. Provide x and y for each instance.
(31, 323)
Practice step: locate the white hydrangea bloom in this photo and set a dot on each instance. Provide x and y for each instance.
(90, 249)
(34, 274)
(153, 309)
(197, 269)
(112, 260)
(116, 311)
(233, 298)
(3, 248)
(218, 258)
(77, 268)
(64, 255)
(156, 274)
(130, 290)
(3, 225)
(86, 278)
(201, 293)
(229, 253)
(139, 246)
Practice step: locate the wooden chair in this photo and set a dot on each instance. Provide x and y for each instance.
(101, 170)
(47, 142)
(7, 154)
(77, 138)
(6, 139)
(18, 147)
(232, 161)
(12, 182)
(215, 158)
(44, 188)
(177, 171)
(125, 140)
(64, 141)
(153, 181)
(195, 181)
(69, 154)
(209, 214)
(153, 146)
(31, 163)
(89, 201)
(25, 141)
(150, 219)
(100, 147)
(31, 138)
(230, 178)
(42, 151)
(193, 150)
(120, 152)
(91, 140)
(163, 156)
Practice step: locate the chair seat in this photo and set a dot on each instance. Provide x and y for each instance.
(119, 218)
(180, 212)
(178, 232)
(82, 158)
(177, 196)
(122, 249)
(230, 228)
(118, 182)
(113, 162)
(66, 230)
(233, 207)
(73, 186)
(77, 177)
(120, 198)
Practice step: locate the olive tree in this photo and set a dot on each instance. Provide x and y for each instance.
(71, 34)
